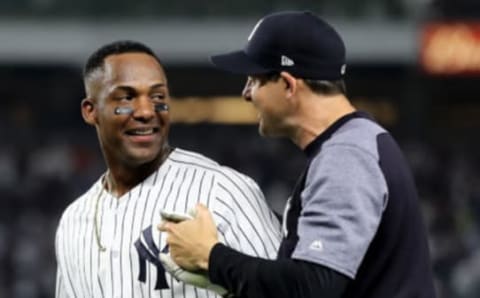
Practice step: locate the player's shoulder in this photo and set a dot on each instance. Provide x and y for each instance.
(80, 203)
(221, 172)
(192, 158)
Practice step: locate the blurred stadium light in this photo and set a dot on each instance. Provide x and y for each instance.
(67, 31)
(186, 40)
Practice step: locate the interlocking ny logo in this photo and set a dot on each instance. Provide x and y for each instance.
(254, 30)
(148, 251)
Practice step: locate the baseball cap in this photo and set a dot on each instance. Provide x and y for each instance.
(295, 41)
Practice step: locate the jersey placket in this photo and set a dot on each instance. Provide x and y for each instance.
(111, 237)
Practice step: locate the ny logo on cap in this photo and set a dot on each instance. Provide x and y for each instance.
(254, 29)
(285, 61)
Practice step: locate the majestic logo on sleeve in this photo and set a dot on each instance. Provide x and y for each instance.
(288, 205)
(316, 245)
(148, 252)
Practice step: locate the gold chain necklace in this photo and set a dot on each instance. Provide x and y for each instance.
(107, 185)
(95, 219)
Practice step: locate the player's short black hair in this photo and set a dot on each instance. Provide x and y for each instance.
(97, 58)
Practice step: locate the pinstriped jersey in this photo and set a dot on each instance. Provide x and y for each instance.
(243, 219)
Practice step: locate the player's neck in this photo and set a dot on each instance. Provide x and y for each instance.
(121, 178)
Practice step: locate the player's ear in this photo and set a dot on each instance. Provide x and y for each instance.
(89, 112)
(290, 83)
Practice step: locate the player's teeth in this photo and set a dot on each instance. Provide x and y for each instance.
(143, 132)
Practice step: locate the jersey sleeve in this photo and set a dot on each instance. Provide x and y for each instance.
(247, 276)
(245, 221)
(61, 286)
(342, 204)
(60, 291)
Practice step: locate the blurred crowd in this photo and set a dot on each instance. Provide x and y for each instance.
(40, 176)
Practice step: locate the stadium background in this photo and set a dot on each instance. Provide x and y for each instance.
(424, 92)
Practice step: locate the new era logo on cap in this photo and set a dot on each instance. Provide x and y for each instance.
(285, 61)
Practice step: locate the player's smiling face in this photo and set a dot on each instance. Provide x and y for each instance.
(136, 81)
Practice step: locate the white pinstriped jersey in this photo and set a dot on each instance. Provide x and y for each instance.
(238, 206)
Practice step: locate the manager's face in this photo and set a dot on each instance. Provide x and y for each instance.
(269, 99)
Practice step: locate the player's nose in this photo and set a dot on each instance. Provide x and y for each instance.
(144, 109)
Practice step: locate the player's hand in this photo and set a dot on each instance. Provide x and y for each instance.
(196, 279)
(191, 241)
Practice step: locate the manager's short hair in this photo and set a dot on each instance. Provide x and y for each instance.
(322, 87)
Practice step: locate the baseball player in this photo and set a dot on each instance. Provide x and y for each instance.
(352, 227)
(105, 243)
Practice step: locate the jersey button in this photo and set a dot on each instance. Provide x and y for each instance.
(115, 253)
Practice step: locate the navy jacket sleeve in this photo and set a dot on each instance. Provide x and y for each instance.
(251, 277)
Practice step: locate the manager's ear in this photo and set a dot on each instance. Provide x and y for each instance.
(290, 82)
(88, 111)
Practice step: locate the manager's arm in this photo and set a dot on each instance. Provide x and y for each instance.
(194, 246)
(247, 276)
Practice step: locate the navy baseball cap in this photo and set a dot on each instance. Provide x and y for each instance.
(298, 42)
